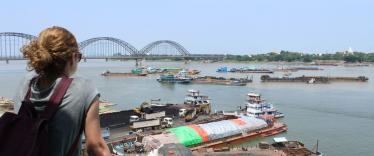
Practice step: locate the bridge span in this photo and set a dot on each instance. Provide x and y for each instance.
(105, 48)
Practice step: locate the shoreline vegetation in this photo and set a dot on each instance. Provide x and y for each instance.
(297, 57)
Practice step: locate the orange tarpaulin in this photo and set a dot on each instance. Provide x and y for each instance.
(200, 131)
(238, 121)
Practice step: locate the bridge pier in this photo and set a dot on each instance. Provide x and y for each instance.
(136, 63)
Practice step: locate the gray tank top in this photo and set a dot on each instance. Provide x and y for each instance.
(65, 125)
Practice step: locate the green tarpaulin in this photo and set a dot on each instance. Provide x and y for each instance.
(137, 71)
(186, 135)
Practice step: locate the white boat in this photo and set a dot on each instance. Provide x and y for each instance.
(256, 106)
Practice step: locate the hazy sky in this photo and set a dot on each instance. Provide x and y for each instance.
(206, 26)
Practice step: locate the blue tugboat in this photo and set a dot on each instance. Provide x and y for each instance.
(170, 78)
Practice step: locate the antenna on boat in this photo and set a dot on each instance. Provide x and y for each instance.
(316, 149)
(317, 152)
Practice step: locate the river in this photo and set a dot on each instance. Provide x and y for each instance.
(340, 115)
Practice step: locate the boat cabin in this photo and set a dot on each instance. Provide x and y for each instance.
(193, 97)
(254, 98)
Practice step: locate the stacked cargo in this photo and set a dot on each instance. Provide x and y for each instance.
(220, 129)
(196, 134)
(187, 135)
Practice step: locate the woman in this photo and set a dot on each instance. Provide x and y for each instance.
(55, 53)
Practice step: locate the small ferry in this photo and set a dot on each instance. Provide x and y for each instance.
(181, 77)
(257, 107)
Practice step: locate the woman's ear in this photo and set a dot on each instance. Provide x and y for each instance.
(72, 60)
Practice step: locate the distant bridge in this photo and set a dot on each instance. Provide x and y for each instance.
(104, 48)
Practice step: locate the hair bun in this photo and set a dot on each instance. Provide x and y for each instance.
(50, 52)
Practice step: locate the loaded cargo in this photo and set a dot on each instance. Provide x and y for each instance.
(213, 134)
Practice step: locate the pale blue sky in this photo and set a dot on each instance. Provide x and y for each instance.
(206, 26)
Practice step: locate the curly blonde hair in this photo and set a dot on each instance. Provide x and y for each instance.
(49, 53)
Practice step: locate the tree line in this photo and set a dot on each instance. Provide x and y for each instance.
(350, 57)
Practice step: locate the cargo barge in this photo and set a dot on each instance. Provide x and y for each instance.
(243, 70)
(277, 148)
(295, 69)
(118, 74)
(222, 80)
(249, 70)
(313, 79)
(215, 134)
(169, 70)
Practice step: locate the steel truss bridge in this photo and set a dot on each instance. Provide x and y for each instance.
(104, 48)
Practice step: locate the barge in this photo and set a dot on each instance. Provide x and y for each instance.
(313, 79)
(277, 148)
(170, 70)
(251, 70)
(222, 80)
(118, 74)
(295, 69)
(215, 134)
(244, 70)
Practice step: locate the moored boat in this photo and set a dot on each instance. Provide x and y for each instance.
(250, 70)
(313, 79)
(257, 107)
(181, 77)
(133, 73)
(214, 134)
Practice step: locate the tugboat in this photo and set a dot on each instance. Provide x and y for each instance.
(194, 98)
(181, 77)
(258, 107)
